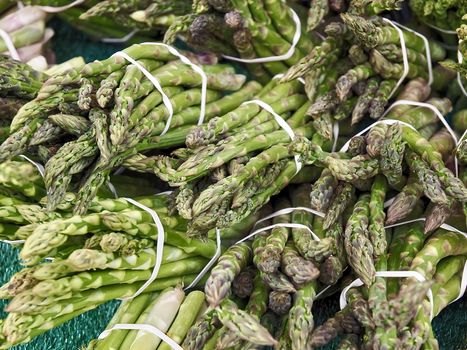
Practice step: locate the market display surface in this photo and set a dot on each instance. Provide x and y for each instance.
(224, 174)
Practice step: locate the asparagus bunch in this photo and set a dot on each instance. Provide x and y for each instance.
(244, 29)
(399, 310)
(369, 57)
(389, 150)
(233, 164)
(99, 115)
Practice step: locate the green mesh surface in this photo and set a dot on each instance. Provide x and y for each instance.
(450, 326)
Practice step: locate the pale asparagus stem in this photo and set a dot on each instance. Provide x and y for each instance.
(228, 267)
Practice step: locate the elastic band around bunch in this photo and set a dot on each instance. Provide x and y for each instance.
(142, 327)
(286, 211)
(427, 50)
(286, 56)
(282, 123)
(9, 44)
(438, 114)
(281, 75)
(57, 9)
(210, 263)
(345, 147)
(159, 246)
(388, 274)
(38, 166)
(288, 225)
(121, 40)
(155, 82)
(445, 31)
(405, 59)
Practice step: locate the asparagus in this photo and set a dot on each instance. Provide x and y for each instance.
(357, 245)
(228, 267)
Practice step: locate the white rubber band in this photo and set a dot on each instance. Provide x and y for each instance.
(388, 203)
(286, 56)
(358, 283)
(157, 85)
(459, 78)
(323, 291)
(123, 39)
(427, 50)
(159, 246)
(405, 59)
(143, 327)
(9, 44)
(445, 31)
(197, 69)
(164, 193)
(288, 211)
(438, 114)
(210, 263)
(345, 147)
(335, 134)
(281, 75)
(14, 242)
(39, 167)
(112, 189)
(54, 9)
(282, 123)
(288, 225)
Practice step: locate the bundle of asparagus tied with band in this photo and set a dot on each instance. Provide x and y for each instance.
(107, 254)
(394, 313)
(172, 311)
(354, 71)
(246, 30)
(98, 115)
(279, 273)
(233, 164)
